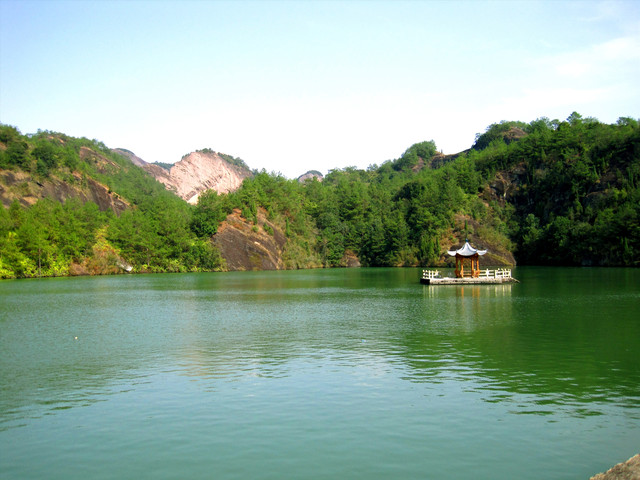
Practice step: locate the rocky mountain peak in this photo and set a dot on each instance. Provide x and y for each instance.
(309, 175)
(197, 172)
(131, 156)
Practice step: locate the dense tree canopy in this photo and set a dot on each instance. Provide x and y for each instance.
(554, 192)
(51, 239)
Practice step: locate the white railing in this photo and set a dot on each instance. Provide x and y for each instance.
(498, 273)
(428, 274)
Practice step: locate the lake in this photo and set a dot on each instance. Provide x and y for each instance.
(319, 374)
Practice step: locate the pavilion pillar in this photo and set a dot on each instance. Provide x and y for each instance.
(470, 253)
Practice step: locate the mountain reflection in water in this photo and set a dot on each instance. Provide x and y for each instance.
(370, 349)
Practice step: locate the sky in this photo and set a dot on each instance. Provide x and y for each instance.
(292, 86)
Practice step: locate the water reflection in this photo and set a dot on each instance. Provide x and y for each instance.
(560, 348)
(474, 291)
(539, 346)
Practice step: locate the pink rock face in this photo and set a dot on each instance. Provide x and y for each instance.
(198, 172)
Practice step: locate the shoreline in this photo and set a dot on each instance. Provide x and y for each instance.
(629, 470)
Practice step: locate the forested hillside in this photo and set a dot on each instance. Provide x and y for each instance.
(549, 192)
(50, 238)
(568, 190)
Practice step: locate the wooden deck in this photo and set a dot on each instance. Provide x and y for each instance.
(466, 281)
(487, 277)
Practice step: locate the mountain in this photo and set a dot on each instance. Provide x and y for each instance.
(544, 193)
(72, 206)
(569, 191)
(196, 172)
(247, 248)
(310, 175)
(40, 178)
(137, 161)
(20, 186)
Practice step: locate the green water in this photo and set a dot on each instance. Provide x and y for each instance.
(320, 374)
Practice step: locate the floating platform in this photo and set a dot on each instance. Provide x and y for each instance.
(486, 277)
(467, 281)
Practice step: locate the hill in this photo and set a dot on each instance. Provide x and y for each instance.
(547, 192)
(196, 172)
(311, 174)
(73, 206)
(569, 190)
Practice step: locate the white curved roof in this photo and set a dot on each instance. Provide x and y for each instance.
(466, 251)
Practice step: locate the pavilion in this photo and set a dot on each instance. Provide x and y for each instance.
(467, 252)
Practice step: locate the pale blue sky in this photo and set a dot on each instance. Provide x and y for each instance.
(291, 86)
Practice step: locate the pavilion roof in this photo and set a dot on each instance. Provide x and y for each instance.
(466, 251)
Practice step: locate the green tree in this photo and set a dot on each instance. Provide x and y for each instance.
(46, 156)
(208, 213)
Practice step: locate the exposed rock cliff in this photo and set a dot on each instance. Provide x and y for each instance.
(131, 156)
(19, 185)
(439, 159)
(245, 246)
(350, 260)
(195, 173)
(309, 175)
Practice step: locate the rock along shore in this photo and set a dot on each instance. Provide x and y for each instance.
(629, 470)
